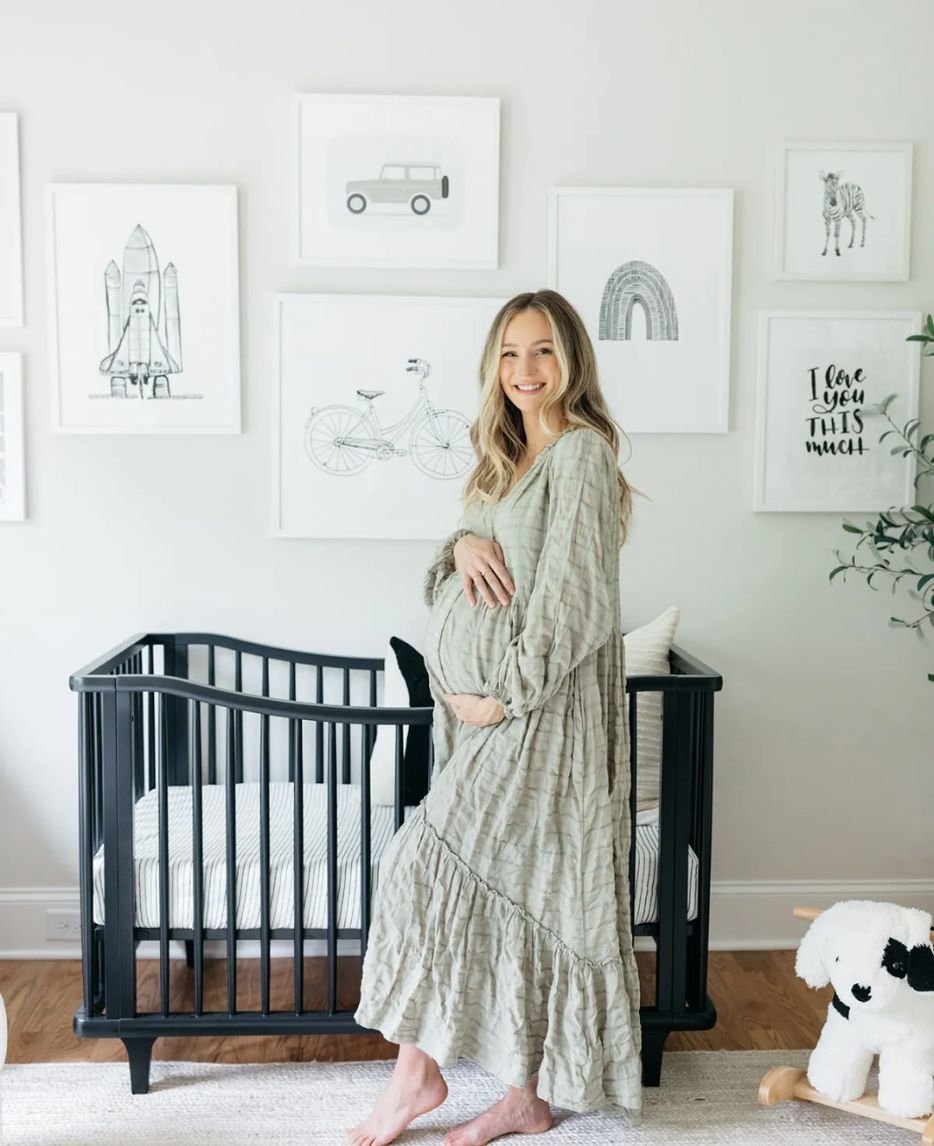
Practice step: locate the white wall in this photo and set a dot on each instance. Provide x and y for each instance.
(824, 728)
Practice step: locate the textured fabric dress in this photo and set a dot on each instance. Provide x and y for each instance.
(500, 929)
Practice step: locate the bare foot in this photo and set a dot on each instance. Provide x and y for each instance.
(416, 1086)
(520, 1112)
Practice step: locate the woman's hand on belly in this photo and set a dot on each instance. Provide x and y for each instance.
(477, 710)
(482, 566)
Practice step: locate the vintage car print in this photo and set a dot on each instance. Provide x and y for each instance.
(415, 184)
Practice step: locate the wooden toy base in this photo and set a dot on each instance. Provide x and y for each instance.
(782, 1083)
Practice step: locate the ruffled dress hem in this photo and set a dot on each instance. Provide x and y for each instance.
(462, 971)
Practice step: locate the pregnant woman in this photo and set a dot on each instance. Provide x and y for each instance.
(501, 929)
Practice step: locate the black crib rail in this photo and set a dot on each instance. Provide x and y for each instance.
(147, 723)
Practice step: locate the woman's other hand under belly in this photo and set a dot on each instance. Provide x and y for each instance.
(477, 710)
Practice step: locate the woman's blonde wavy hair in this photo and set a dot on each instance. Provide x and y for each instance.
(498, 434)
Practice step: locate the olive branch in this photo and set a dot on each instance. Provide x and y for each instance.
(901, 538)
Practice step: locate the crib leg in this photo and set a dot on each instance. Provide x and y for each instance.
(189, 953)
(139, 1052)
(653, 1043)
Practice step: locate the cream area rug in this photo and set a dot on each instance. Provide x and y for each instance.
(707, 1098)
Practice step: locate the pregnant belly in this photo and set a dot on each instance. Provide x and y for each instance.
(469, 641)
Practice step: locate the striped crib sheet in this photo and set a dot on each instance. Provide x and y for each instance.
(315, 896)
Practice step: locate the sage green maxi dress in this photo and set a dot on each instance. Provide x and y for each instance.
(500, 929)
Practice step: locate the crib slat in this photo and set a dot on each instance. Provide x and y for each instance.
(238, 717)
(175, 664)
(365, 842)
(150, 727)
(345, 758)
(371, 729)
(291, 739)
(212, 722)
(230, 783)
(163, 798)
(265, 676)
(197, 850)
(319, 726)
(298, 862)
(264, 855)
(332, 868)
(138, 668)
(136, 707)
(399, 815)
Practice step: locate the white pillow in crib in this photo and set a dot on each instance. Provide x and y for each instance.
(383, 760)
(646, 654)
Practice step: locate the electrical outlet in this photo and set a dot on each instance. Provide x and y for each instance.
(63, 926)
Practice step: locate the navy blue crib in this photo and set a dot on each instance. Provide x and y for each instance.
(216, 772)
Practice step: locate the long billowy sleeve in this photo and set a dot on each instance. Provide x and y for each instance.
(574, 605)
(442, 566)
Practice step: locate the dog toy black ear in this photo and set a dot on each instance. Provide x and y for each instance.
(921, 968)
(895, 959)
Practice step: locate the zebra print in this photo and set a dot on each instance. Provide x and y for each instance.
(842, 201)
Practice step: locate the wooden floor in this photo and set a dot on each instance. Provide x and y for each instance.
(761, 1005)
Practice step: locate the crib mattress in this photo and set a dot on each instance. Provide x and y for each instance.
(315, 891)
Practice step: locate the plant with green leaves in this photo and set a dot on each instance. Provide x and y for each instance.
(901, 539)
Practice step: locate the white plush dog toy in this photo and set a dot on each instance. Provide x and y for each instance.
(879, 958)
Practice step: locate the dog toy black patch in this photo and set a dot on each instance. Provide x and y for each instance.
(921, 968)
(895, 959)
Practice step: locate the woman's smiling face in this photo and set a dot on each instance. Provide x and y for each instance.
(528, 359)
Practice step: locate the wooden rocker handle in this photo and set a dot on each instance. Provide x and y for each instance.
(782, 1083)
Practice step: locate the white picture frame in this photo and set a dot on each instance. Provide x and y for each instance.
(151, 271)
(364, 488)
(817, 452)
(11, 227)
(395, 181)
(12, 437)
(649, 269)
(854, 198)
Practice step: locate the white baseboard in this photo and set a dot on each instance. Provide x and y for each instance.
(756, 915)
(750, 915)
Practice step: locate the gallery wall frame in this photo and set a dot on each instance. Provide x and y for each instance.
(816, 448)
(11, 227)
(371, 434)
(395, 180)
(12, 438)
(843, 211)
(650, 271)
(144, 312)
